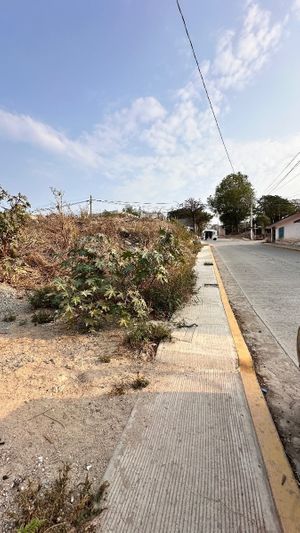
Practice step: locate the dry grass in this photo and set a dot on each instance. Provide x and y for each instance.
(61, 507)
(46, 240)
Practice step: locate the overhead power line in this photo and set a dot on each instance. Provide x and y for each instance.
(111, 202)
(289, 181)
(204, 85)
(274, 184)
(280, 182)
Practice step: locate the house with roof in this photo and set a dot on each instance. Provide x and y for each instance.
(286, 230)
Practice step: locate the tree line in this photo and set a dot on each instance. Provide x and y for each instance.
(232, 202)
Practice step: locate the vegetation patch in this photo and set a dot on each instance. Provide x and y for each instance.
(101, 284)
(120, 388)
(95, 271)
(9, 317)
(104, 359)
(60, 508)
(144, 332)
(140, 382)
(46, 297)
(43, 317)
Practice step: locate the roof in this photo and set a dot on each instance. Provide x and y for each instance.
(287, 220)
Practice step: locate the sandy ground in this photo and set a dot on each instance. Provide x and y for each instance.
(56, 404)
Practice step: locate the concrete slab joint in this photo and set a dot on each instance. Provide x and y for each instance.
(190, 459)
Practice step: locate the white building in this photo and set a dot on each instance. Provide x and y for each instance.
(285, 230)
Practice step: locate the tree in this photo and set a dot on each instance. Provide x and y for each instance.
(131, 210)
(193, 209)
(12, 218)
(232, 200)
(262, 220)
(275, 207)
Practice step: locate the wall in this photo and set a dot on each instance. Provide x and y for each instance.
(291, 232)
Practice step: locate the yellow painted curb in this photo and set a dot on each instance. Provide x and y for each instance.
(283, 484)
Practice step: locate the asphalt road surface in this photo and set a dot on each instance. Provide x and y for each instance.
(269, 277)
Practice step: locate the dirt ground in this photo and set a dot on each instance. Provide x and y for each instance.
(56, 404)
(278, 375)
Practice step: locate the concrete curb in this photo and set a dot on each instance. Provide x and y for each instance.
(283, 485)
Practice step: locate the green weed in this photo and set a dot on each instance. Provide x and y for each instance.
(104, 359)
(61, 507)
(43, 317)
(144, 332)
(45, 298)
(140, 382)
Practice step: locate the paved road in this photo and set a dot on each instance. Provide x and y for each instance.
(270, 279)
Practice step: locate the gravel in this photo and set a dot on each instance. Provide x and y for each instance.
(11, 302)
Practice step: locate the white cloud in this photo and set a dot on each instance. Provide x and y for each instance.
(121, 127)
(241, 55)
(23, 128)
(296, 8)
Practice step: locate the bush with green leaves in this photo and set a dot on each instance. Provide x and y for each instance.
(46, 297)
(44, 316)
(103, 284)
(144, 332)
(166, 298)
(12, 218)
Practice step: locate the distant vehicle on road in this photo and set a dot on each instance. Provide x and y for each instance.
(209, 234)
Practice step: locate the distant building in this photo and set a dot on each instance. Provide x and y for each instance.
(285, 230)
(219, 229)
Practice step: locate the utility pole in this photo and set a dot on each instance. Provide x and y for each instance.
(91, 205)
(251, 221)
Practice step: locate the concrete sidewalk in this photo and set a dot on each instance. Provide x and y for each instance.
(189, 460)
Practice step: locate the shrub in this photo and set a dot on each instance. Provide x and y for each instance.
(60, 507)
(165, 299)
(103, 284)
(12, 219)
(46, 297)
(107, 277)
(143, 332)
(140, 382)
(43, 317)
(9, 317)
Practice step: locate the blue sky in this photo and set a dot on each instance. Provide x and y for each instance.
(102, 97)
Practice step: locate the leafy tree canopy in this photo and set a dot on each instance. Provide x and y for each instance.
(193, 209)
(275, 207)
(131, 210)
(232, 200)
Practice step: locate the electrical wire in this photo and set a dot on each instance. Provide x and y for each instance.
(112, 202)
(273, 185)
(204, 85)
(289, 181)
(285, 176)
